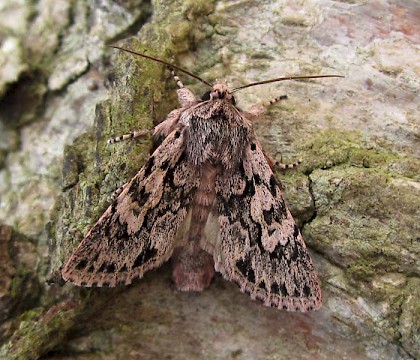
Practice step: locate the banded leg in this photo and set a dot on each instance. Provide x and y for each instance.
(287, 166)
(258, 110)
(177, 80)
(276, 100)
(129, 136)
(281, 165)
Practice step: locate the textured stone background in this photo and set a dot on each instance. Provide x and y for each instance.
(63, 93)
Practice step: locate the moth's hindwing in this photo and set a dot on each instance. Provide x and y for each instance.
(259, 245)
(138, 230)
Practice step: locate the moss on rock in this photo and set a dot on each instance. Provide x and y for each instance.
(410, 318)
(331, 148)
(19, 286)
(365, 198)
(40, 331)
(296, 190)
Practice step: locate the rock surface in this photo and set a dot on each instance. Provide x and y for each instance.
(63, 93)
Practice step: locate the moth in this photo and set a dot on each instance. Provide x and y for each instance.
(207, 198)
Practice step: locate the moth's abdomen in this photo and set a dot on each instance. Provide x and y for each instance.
(193, 267)
(205, 195)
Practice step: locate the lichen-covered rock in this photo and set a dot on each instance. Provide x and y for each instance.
(409, 319)
(355, 193)
(40, 331)
(364, 221)
(12, 64)
(19, 284)
(364, 225)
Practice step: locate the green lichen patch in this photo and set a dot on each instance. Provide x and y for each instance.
(364, 225)
(40, 331)
(387, 291)
(366, 200)
(406, 166)
(410, 318)
(19, 287)
(329, 148)
(24, 288)
(334, 149)
(295, 187)
(364, 221)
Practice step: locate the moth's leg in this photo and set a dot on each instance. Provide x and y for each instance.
(279, 164)
(276, 100)
(129, 136)
(185, 96)
(258, 110)
(177, 79)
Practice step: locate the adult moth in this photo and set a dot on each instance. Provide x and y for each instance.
(208, 199)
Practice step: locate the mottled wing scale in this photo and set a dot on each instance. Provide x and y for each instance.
(139, 229)
(259, 246)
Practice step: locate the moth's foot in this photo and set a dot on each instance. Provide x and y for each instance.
(129, 136)
(276, 100)
(177, 80)
(280, 165)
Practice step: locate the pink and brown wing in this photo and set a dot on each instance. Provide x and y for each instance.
(259, 245)
(139, 229)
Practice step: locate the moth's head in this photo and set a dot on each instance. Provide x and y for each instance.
(219, 91)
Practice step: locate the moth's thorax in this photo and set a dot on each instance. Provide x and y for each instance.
(217, 133)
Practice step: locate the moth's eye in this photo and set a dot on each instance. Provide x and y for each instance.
(206, 96)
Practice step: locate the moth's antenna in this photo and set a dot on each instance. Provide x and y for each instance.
(283, 79)
(162, 62)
